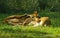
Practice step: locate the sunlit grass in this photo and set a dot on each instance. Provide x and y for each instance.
(29, 31)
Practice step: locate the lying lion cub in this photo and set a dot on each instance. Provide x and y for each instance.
(15, 19)
(43, 21)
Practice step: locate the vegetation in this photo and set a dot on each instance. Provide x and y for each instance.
(8, 31)
(15, 6)
(50, 8)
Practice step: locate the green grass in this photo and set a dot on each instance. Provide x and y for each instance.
(29, 32)
(8, 31)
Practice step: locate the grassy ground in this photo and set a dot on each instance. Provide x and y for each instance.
(8, 31)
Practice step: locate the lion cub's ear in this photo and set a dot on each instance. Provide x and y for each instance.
(35, 14)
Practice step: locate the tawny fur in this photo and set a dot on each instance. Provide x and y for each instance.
(45, 21)
(15, 19)
(35, 14)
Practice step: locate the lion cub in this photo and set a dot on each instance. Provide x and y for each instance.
(43, 21)
(16, 19)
